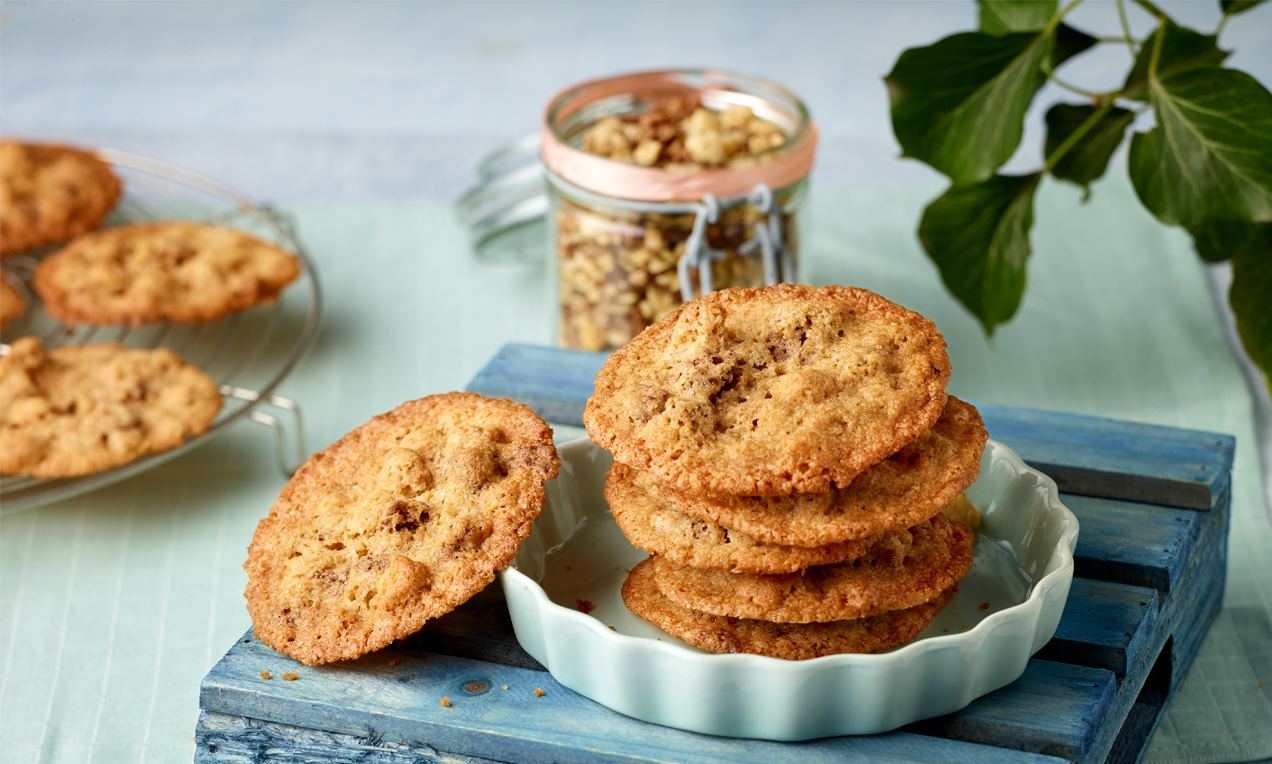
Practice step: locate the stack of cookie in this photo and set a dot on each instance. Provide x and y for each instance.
(785, 454)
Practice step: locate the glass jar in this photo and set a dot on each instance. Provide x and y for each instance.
(631, 242)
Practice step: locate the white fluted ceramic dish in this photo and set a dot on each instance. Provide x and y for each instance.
(1023, 568)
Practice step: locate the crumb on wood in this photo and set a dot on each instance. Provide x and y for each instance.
(394, 662)
(984, 606)
(291, 676)
(445, 701)
(504, 687)
(265, 675)
(539, 693)
(585, 606)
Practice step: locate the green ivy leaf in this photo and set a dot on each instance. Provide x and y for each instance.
(959, 104)
(1069, 43)
(999, 17)
(978, 235)
(1250, 296)
(1216, 242)
(1182, 50)
(1233, 7)
(1210, 156)
(1087, 159)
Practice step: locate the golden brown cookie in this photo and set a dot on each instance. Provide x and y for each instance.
(658, 527)
(11, 303)
(901, 491)
(791, 641)
(890, 577)
(770, 390)
(175, 272)
(49, 193)
(400, 521)
(80, 409)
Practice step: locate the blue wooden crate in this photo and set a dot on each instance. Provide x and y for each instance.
(1153, 504)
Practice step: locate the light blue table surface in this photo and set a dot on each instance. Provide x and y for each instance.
(368, 118)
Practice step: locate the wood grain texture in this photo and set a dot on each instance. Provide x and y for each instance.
(1150, 581)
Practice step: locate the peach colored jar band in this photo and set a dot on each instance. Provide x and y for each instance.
(656, 184)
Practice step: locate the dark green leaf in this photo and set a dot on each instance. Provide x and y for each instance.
(1069, 43)
(1216, 242)
(999, 17)
(1182, 49)
(1210, 156)
(978, 235)
(1233, 7)
(1251, 296)
(959, 105)
(1087, 159)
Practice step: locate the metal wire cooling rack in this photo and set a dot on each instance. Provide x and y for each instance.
(247, 353)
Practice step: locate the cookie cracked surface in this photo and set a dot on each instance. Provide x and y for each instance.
(178, 272)
(660, 528)
(891, 577)
(400, 521)
(81, 409)
(49, 193)
(771, 390)
(899, 492)
(791, 641)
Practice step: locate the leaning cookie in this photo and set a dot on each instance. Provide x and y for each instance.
(399, 522)
(658, 527)
(81, 409)
(771, 390)
(899, 492)
(12, 305)
(49, 193)
(889, 578)
(157, 272)
(790, 641)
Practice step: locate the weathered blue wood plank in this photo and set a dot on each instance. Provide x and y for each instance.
(1086, 455)
(1105, 625)
(1131, 543)
(1118, 460)
(1054, 709)
(377, 699)
(555, 383)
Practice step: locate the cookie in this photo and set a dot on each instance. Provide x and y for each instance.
(901, 491)
(771, 390)
(155, 272)
(400, 521)
(791, 641)
(49, 193)
(658, 527)
(11, 303)
(891, 577)
(84, 408)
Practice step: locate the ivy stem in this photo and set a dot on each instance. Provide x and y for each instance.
(1157, 52)
(1102, 97)
(1153, 9)
(1126, 29)
(1056, 19)
(1223, 22)
(1076, 136)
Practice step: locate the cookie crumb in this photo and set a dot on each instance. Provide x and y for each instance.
(539, 693)
(567, 567)
(984, 606)
(265, 675)
(445, 701)
(945, 631)
(585, 606)
(613, 629)
(394, 662)
(504, 687)
(291, 676)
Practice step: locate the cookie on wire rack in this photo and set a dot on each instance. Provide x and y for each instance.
(771, 390)
(81, 409)
(161, 272)
(50, 193)
(398, 522)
